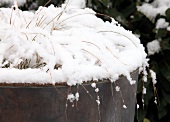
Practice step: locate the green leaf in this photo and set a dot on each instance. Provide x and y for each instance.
(162, 108)
(105, 2)
(163, 83)
(117, 3)
(140, 85)
(129, 10)
(167, 12)
(165, 69)
(166, 96)
(165, 44)
(161, 33)
(118, 16)
(140, 114)
(149, 93)
(162, 113)
(146, 120)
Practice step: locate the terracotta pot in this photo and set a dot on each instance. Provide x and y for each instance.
(48, 103)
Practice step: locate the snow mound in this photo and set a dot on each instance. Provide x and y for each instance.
(65, 44)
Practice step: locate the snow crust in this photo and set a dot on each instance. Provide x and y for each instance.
(65, 44)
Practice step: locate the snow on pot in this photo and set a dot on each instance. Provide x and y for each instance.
(65, 64)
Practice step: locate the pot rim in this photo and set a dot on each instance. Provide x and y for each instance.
(59, 85)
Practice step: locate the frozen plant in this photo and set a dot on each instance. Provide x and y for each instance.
(58, 44)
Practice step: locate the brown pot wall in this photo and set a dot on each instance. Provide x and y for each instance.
(48, 104)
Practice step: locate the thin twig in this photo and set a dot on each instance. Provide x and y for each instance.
(114, 55)
(11, 16)
(119, 34)
(74, 16)
(93, 55)
(87, 91)
(25, 35)
(38, 13)
(59, 91)
(59, 15)
(44, 5)
(116, 83)
(39, 20)
(92, 44)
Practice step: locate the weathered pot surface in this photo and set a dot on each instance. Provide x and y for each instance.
(48, 103)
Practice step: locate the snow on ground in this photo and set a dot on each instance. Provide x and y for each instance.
(65, 44)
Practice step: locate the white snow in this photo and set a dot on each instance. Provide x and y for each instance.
(137, 106)
(155, 101)
(144, 90)
(153, 47)
(117, 88)
(161, 23)
(93, 85)
(76, 3)
(124, 106)
(77, 96)
(98, 100)
(97, 90)
(71, 97)
(65, 44)
(145, 78)
(153, 75)
(146, 0)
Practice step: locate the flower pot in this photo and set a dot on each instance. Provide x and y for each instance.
(50, 104)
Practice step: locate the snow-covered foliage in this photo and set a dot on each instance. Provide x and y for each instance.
(151, 10)
(153, 47)
(76, 3)
(161, 23)
(19, 2)
(65, 44)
